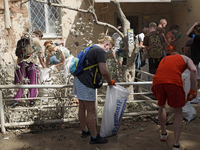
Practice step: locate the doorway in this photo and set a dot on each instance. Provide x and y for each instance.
(133, 23)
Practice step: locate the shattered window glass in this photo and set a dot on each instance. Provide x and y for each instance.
(45, 18)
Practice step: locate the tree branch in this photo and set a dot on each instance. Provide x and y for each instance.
(122, 17)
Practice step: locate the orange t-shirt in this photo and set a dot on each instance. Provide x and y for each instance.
(169, 70)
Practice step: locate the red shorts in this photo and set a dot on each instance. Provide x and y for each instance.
(174, 95)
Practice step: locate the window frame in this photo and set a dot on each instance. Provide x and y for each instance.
(48, 35)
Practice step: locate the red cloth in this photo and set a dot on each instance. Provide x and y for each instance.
(173, 94)
(170, 70)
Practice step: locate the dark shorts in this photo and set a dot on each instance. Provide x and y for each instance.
(173, 94)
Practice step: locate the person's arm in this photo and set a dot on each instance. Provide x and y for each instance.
(141, 44)
(165, 40)
(186, 49)
(141, 37)
(60, 43)
(193, 73)
(104, 71)
(47, 59)
(41, 60)
(170, 41)
(193, 78)
(192, 28)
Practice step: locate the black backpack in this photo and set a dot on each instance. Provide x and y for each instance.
(21, 47)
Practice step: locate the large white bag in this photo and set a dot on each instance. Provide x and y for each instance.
(189, 113)
(115, 103)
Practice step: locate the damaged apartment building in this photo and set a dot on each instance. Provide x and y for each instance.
(57, 23)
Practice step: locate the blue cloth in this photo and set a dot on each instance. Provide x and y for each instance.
(119, 51)
(138, 61)
(53, 60)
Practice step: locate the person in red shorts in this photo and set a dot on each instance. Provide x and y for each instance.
(168, 86)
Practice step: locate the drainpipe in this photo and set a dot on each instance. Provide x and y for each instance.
(7, 22)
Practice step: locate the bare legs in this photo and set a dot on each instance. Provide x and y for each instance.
(178, 122)
(162, 118)
(89, 119)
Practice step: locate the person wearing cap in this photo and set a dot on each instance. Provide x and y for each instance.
(168, 87)
(171, 39)
(28, 67)
(153, 62)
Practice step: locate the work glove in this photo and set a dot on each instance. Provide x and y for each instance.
(170, 48)
(191, 95)
(142, 63)
(178, 36)
(112, 82)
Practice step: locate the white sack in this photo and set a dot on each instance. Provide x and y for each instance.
(46, 80)
(115, 104)
(189, 113)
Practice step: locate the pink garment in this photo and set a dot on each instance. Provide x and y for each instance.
(26, 70)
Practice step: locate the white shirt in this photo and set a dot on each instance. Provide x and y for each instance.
(117, 38)
(140, 38)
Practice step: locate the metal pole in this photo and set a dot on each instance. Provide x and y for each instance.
(3, 130)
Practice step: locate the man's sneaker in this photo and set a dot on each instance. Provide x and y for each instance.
(14, 104)
(163, 137)
(194, 101)
(98, 140)
(32, 103)
(85, 134)
(181, 147)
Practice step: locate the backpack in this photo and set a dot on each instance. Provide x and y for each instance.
(21, 47)
(155, 46)
(76, 66)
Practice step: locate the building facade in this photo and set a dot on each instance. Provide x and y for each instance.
(77, 28)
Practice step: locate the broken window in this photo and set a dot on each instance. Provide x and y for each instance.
(45, 18)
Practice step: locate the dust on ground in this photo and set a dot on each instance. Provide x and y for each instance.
(134, 134)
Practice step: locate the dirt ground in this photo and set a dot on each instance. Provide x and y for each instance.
(133, 135)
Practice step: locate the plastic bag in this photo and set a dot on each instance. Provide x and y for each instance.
(115, 104)
(189, 113)
(46, 80)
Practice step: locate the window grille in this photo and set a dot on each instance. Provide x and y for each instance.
(45, 18)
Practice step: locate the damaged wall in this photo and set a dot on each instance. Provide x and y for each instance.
(182, 13)
(185, 15)
(20, 22)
